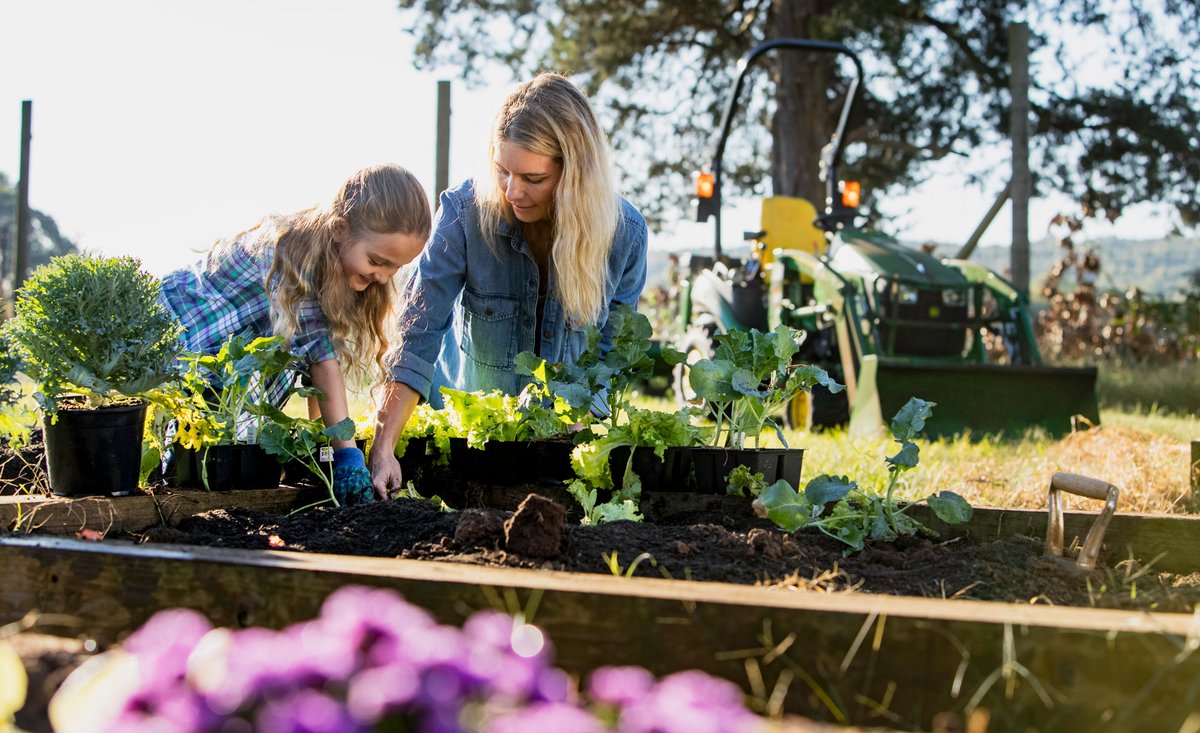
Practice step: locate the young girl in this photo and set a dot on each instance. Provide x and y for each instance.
(320, 278)
(520, 260)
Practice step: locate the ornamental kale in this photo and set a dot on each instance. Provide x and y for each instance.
(93, 325)
(750, 377)
(372, 662)
(837, 506)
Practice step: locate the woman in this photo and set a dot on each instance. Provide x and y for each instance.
(521, 261)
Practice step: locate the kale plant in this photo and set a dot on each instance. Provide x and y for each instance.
(749, 378)
(93, 325)
(837, 506)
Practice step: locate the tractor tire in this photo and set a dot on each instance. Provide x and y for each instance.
(697, 344)
(817, 410)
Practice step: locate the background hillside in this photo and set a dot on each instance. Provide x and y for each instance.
(1157, 266)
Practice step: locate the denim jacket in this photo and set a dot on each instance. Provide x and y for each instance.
(468, 311)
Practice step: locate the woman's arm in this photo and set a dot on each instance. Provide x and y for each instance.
(327, 377)
(399, 401)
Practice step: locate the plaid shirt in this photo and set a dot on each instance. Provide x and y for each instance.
(226, 294)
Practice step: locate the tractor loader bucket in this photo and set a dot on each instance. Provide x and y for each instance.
(979, 398)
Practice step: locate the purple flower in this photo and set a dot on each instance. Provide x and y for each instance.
(546, 717)
(163, 643)
(619, 685)
(306, 711)
(382, 691)
(689, 702)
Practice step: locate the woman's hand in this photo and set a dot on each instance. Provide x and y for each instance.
(399, 401)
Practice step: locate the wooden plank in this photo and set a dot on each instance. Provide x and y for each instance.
(857, 657)
(71, 515)
(1170, 541)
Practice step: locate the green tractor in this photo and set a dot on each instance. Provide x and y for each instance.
(888, 321)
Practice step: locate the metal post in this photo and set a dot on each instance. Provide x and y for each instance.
(21, 261)
(1022, 184)
(986, 222)
(442, 175)
(1194, 473)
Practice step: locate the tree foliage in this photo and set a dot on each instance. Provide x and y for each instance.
(45, 239)
(1114, 90)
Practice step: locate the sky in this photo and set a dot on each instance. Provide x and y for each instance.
(160, 126)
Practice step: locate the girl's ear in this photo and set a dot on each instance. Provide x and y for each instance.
(339, 229)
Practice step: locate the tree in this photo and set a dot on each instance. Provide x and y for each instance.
(1112, 127)
(45, 239)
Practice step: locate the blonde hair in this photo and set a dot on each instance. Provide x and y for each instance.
(549, 116)
(381, 199)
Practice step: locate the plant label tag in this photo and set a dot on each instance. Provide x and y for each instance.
(325, 455)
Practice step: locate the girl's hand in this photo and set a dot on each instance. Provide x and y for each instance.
(351, 482)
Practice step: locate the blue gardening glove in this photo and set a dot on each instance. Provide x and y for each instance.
(351, 479)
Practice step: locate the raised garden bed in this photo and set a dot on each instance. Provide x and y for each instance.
(770, 601)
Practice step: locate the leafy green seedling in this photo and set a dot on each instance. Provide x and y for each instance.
(837, 506)
(750, 377)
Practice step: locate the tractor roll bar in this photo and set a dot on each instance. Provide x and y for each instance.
(712, 207)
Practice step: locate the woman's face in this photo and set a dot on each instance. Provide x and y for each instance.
(528, 181)
(374, 258)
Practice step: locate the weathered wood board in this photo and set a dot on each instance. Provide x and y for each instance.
(1172, 542)
(842, 657)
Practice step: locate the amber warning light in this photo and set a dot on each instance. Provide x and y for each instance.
(704, 185)
(850, 194)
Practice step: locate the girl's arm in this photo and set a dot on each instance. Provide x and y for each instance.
(399, 401)
(327, 377)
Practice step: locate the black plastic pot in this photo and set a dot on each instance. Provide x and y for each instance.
(712, 466)
(228, 467)
(498, 462)
(669, 473)
(94, 451)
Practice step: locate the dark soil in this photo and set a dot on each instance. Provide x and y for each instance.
(23, 469)
(730, 546)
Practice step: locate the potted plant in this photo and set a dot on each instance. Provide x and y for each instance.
(92, 336)
(750, 377)
(217, 405)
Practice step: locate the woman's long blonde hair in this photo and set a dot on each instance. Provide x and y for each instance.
(549, 116)
(383, 199)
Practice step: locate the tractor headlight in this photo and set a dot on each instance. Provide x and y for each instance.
(906, 294)
(953, 297)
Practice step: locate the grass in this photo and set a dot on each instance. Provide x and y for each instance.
(1166, 388)
(1146, 454)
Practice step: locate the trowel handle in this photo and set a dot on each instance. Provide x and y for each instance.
(1081, 485)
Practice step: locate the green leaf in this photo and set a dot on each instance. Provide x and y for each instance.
(342, 430)
(908, 456)
(910, 420)
(825, 489)
(712, 380)
(784, 506)
(950, 507)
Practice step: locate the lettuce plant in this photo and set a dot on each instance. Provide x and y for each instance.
(749, 378)
(15, 416)
(93, 325)
(836, 506)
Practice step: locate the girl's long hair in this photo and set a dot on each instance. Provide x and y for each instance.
(383, 199)
(549, 116)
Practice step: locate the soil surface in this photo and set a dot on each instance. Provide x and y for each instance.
(730, 546)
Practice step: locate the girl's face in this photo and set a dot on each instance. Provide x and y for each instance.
(528, 181)
(374, 258)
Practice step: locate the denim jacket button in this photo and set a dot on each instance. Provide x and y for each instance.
(547, 335)
(488, 312)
